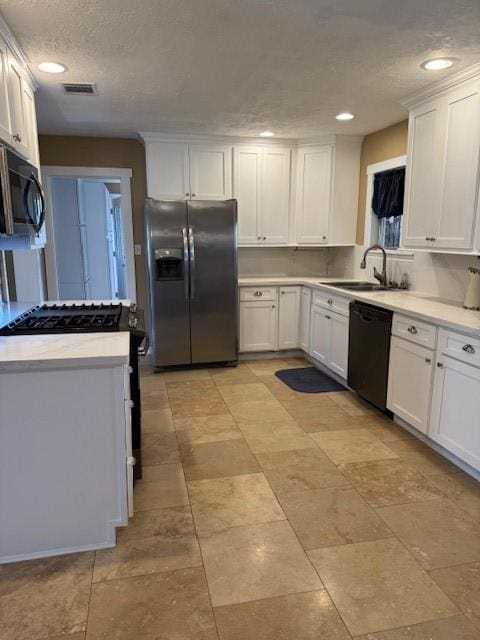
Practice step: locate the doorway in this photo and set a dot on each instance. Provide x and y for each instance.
(89, 250)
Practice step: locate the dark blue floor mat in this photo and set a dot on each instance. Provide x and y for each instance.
(308, 380)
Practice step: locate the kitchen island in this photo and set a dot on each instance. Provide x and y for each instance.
(66, 478)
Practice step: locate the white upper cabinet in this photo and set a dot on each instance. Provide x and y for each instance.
(275, 195)
(210, 172)
(443, 167)
(30, 119)
(247, 189)
(167, 171)
(314, 178)
(261, 184)
(17, 108)
(422, 175)
(182, 171)
(327, 192)
(460, 169)
(5, 126)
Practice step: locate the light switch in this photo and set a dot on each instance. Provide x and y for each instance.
(137, 248)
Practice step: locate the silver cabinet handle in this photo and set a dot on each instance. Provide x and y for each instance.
(428, 360)
(258, 294)
(328, 317)
(324, 237)
(17, 137)
(264, 237)
(273, 306)
(440, 365)
(193, 195)
(329, 301)
(468, 348)
(413, 330)
(185, 264)
(191, 247)
(187, 194)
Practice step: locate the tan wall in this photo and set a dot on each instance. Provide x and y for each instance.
(376, 147)
(76, 151)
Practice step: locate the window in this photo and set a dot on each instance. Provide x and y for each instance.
(387, 205)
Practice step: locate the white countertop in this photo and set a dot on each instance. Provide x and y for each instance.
(408, 302)
(60, 349)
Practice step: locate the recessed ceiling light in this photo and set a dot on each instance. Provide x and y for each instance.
(436, 64)
(266, 134)
(344, 116)
(52, 67)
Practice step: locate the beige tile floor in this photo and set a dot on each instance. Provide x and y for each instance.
(266, 514)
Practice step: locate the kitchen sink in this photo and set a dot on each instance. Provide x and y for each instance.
(356, 286)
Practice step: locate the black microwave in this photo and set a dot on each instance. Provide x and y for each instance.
(22, 203)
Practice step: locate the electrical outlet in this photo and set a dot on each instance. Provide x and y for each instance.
(137, 249)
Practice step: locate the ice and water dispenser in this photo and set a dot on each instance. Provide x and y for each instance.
(168, 264)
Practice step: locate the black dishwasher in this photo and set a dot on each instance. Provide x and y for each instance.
(368, 352)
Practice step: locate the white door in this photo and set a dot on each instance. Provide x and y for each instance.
(167, 171)
(247, 189)
(30, 119)
(15, 99)
(460, 169)
(338, 353)
(258, 326)
(319, 334)
(305, 309)
(289, 317)
(314, 178)
(410, 377)
(422, 180)
(275, 195)
(210, 172)
(5, 127)
(455, 412)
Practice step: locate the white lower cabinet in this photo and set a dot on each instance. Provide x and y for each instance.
(410, 378)
(288, 317)
(338, 353)
(305, 310)
(258, 325)
(319, 334)
(455, 422)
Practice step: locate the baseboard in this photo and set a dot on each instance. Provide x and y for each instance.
(271, 355)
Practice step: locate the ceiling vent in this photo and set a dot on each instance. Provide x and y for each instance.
(79, 89)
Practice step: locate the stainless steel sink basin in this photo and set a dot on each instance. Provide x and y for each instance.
(356, 286)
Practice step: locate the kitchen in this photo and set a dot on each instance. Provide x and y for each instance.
(139, 459)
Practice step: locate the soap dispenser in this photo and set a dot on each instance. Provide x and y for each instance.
(472, 296)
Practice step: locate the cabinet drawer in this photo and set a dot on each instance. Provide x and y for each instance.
(414, 330)
(327, 300)
(459, 346)
(258, 293)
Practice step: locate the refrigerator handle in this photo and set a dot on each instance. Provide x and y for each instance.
(191, 242)
(185, 264)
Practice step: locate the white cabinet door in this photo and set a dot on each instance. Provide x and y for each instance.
(319, 334)
(30, 124)
(275, 195)
(289, 317)
(314, 186)
(305, 310)
(423, 183)
(247, 189)
(167, 171)
(5, 127)
(410, 377)
(15, 98)
(210, 172)
(455, 412)
(338, 351)
(258, 326)
(459, 176)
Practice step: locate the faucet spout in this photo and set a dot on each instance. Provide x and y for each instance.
(381, 277)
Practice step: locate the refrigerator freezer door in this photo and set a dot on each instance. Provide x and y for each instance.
(213, 280)
(167, 245)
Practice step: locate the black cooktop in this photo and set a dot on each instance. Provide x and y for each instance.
(64, 318)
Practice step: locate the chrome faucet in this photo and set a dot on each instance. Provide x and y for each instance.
(381, 277)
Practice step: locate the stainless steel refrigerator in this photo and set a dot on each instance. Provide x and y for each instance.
(192, 268)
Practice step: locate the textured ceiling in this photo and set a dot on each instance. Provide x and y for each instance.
(238, 66)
